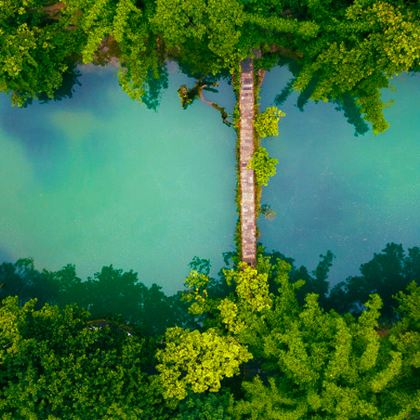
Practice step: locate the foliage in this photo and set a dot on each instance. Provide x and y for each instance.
(310, 363)
(37, 50)
(210, 406)
(260, 347)
(405, 335)
(196, 28)
(56, 364)
(315, 363)
(386, 274)
(250, 286)
(197, 292)
(110, 292)
(197, 361)
(263, 165)
(266, 123)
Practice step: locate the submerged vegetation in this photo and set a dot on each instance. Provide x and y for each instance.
(258, 341)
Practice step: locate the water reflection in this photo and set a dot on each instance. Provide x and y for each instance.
(337, 191)
(100, 179)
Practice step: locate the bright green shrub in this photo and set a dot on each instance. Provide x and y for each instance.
(267, 122)
(263, 165)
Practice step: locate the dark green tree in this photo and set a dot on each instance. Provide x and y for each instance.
(108, 294)
(306, 362)
(56, 363)
(387, 273)
(120, 30)
(39, 48)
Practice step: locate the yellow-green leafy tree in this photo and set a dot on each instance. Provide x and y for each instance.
(306, 362)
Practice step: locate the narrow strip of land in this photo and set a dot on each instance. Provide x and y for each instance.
(246, 150)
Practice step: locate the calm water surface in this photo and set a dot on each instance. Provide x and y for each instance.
(100, 179)
(336, 191)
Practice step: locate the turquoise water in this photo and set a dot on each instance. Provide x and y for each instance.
(100, 179)
(336, 191)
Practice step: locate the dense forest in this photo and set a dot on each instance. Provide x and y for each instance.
(272, 341)
(343, 51)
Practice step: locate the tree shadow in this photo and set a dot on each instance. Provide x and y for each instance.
(116, 294)
(154, 86)
(352, 113)
(4, 255)
(386, 273)
(345, 104)
(108, 294)
(67, 88)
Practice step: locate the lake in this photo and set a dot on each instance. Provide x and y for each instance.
(99, 179)
(340, 192)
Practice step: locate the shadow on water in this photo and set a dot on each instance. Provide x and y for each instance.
(352, 113)
(96, 81)
(5, 256)
(68, 87)
(345, 104)
(114, 293)
(154, 86)
(31, 126)
(386, 273)
(28, 124)
(108, 294)
(37, 137)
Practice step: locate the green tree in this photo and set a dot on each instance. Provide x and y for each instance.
(309, 362)
(386, 273)
(202, 35)
(263, 165)
(57, 364)
(267, 122)
(124, 26)
(197, 362)
(210, 406)
(38, 49)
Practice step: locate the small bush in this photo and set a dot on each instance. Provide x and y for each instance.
(263, 165)
(267, 122)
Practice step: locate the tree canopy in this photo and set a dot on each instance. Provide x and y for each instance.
(249, 344)
(344, 52)
(39, 46)
(55, 363)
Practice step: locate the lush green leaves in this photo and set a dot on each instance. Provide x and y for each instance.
(295, 361)
(267, 122)
(57, 364)
(321, 364)
(263, 165)
(197, 31)
(37, 50)
(197, 361)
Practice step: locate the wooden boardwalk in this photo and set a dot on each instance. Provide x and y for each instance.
(246, 176)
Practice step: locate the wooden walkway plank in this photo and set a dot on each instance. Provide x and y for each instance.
(246, 150)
